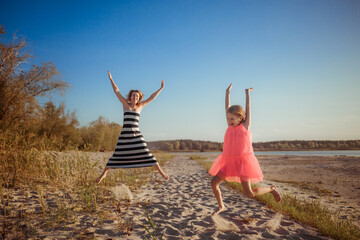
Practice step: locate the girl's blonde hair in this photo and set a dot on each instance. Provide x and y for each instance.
(128, 98)
(238, 111)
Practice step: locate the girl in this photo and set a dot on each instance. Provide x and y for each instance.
(238, 162)
(131, 150)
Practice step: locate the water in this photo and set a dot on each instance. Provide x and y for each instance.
(355, 153)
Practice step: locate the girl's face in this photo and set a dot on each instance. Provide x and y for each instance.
(135, 96)
(233, 120)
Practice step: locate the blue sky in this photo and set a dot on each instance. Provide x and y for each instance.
(302, 58)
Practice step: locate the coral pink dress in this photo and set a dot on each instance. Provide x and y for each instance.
(237, 162)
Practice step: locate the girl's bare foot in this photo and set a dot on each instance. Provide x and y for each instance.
(219, 210)
(276, 194)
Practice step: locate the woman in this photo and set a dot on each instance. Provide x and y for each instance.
(131, 150)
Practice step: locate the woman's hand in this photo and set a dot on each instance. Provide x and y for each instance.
(162, 84)
(110, 77)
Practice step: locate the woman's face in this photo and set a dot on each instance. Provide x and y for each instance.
(135, 96)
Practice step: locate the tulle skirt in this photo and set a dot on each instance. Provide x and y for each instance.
(237, 168)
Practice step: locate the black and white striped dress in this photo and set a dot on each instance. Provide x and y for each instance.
(131, 149)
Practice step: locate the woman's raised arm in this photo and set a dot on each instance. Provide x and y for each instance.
(153, 96)
(116, 90)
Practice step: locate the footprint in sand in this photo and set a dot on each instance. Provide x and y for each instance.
(224, 225)
(274, 223)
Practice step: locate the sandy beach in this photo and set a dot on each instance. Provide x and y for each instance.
(332, 180)
(181, 207)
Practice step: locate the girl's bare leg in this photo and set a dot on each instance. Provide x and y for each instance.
(260, 191)
(157, 166)
(215, 182)
(99, 179)
(276, 194)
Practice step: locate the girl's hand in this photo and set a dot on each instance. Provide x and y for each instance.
(229, 88)
(162, 83)
(109, 75)
(249, 90)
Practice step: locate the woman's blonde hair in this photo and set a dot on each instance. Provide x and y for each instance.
(238, 111)
(128, 98)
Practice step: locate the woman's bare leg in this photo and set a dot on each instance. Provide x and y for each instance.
(99, 179)
(215, 182)
(157, 166)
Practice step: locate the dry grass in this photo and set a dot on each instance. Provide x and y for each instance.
(45, 191)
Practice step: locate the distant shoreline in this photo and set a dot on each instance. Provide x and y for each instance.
(335, 153)
(255, 150)
(186, 145)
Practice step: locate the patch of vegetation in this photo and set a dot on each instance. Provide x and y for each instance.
(62, 190)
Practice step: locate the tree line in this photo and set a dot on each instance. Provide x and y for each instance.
(297, 145)
(186, 145)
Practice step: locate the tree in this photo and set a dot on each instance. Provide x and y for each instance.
(55, 124)
(21, 83)
(168, 146)
(177, 145)
(100, 135)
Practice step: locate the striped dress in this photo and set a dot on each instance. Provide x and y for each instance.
(131, 149)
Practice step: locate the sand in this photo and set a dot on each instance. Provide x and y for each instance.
(181, 207)
(337, 178)
(334, 181)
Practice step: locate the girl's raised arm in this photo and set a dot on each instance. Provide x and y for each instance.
(153, 96)
(247, 122)
(116, 90)
(227, 98)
